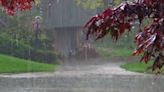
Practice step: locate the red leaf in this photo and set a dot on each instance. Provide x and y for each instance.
(107, 13)
(11, 6)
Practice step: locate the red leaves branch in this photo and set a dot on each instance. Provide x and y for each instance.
(11, 6)
(116, 21)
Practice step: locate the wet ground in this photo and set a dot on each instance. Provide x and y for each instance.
(92, 75)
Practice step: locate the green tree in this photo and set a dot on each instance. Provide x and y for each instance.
(94, 4)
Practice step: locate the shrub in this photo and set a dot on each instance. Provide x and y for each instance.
(12, 47)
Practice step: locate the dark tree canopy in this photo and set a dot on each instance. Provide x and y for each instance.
(115, 21)
(11, 6)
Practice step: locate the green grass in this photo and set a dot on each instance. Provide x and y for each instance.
(141, 67)
(114, 52)
(122, 52)
(9, 64)
(137, 66)
(105, 52)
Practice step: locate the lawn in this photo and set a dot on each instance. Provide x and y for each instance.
(140, 67)
(9, 64)
(137, 66)
(114, 52)
(122, 52)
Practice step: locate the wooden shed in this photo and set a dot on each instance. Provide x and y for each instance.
(66, 19)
